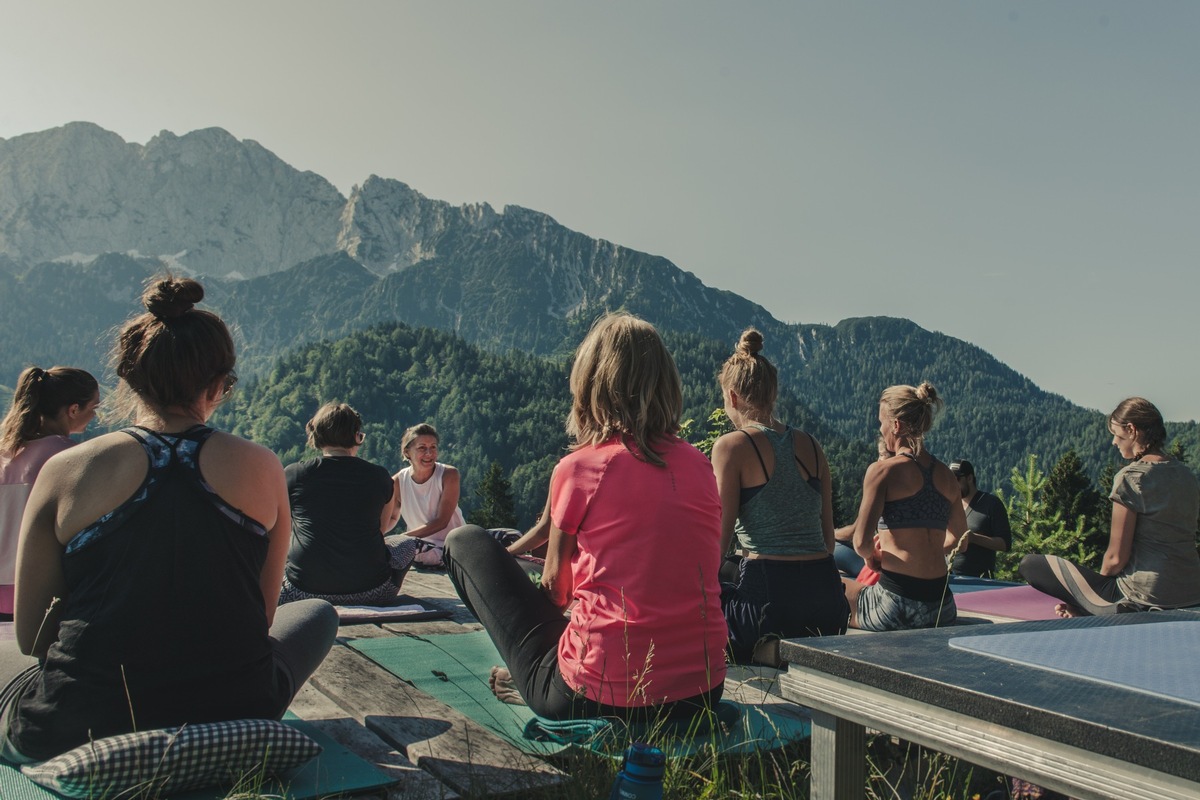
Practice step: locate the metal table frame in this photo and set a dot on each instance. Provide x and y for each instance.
(844, 705)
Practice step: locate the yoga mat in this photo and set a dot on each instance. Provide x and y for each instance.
(1154, 658)
(335, 771)
(403, 609)
(1016, 602)
(454, 668)
(963, 584)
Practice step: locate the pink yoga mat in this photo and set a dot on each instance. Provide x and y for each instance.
(1016, 602)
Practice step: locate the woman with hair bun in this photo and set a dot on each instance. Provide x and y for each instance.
(47, 407)
(634, 545)
(777, 497)
(910, 519)
(150, 559)
(341, 507)
(1151, 560)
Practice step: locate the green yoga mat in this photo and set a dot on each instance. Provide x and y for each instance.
(454, 668)
(335, 771)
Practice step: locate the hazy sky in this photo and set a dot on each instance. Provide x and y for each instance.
(1021, 175)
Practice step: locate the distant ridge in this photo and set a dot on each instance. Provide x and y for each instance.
(290, 260)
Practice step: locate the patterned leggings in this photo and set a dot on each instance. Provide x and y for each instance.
(402, 549)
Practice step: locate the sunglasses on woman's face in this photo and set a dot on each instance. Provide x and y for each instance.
(230, 381)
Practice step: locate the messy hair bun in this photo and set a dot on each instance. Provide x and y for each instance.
(171, 355)
(750, 376)
(751, 342)
(927, 394)
(170, 298)
(913, 407)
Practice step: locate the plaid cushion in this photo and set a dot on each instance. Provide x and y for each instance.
(174, 759)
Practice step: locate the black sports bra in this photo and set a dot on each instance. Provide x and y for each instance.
(928, 508)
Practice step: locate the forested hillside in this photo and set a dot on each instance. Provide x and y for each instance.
(832, 375)
(508, 408)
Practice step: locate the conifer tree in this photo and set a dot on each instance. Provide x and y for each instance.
(1104, 485)
(1037, 528)
(1070, 492)
(495, 508)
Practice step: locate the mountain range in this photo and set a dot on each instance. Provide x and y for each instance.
(85, 218)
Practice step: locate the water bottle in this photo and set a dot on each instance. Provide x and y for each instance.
(641, 774)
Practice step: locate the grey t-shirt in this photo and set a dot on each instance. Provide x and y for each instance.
(1164, 568)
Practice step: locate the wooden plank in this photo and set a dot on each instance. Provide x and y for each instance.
(462, 754)
(759, 686)
(414, 783)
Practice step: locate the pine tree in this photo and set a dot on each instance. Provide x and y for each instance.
(1070, 492)
(1104, 485)
(1037, 528)
(495, 508)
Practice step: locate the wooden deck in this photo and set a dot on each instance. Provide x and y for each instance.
(433, 750)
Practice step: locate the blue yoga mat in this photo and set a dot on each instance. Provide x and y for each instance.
(964, 584)
(335, 771)
(1155, 658)
(454, 668)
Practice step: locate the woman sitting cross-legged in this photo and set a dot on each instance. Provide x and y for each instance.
(426, 494)
(776, 495)
(150, 559)
(341, 507)
(910, 519)
(634, 544)
(1151, 560)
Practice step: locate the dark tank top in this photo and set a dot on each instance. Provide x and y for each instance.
(164, 614)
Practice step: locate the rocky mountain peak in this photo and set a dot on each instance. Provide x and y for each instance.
(205, 200)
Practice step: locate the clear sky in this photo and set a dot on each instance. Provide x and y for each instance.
(1021, 175)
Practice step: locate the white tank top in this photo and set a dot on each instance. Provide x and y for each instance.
(419, 503)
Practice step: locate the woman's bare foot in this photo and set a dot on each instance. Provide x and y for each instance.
(1067, 611)
(504, 687)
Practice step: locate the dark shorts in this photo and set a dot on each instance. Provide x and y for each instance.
(783, 600)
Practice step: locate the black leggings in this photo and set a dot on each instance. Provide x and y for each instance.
(1086, 590)
(525, 627)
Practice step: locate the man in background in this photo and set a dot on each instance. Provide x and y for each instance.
(987, 526)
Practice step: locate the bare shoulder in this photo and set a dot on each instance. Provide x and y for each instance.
(729, 443)
(804, 442)
(878, 471)
(253, 455)
(103, 452)
(944, 479)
